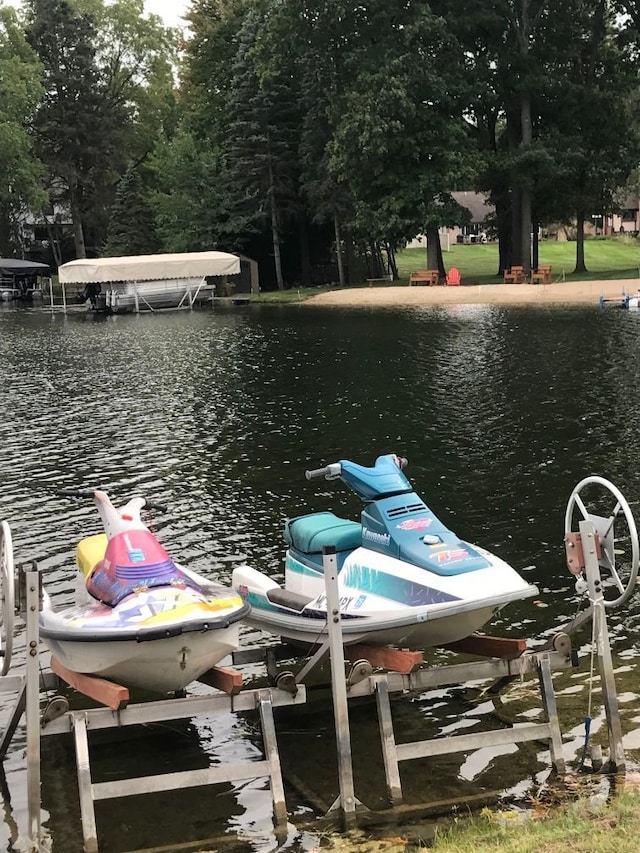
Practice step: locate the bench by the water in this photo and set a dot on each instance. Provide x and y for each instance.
(541, 275)
(515, 275)
(428, 277)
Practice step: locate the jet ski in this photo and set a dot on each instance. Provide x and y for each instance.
(404, 578)
(140, 619)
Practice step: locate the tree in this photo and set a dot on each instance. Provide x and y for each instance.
(108, 94)
(21, 173)
(76, 128)
(590, 119)
(132, 229)
(260, 146)
(550, 112)
(188, 202)
(399, 142)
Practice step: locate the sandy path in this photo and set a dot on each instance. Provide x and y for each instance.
(495, 294)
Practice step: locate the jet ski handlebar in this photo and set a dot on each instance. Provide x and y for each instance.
(89, 493)
(329, 472)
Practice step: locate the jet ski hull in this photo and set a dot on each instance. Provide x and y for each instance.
(159, 639)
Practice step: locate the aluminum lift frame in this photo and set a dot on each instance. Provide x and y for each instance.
(57, 719)
(361, 681)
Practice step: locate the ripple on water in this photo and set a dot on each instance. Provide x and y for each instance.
(500, 411)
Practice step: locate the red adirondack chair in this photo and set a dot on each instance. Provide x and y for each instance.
(453, 276)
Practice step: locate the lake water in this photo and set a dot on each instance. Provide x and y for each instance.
(501, 411)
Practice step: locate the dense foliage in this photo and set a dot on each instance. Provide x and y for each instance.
(317, 137)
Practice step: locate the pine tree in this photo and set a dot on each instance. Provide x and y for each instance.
(132, 228)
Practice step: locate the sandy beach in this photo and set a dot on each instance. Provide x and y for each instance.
(493, 294)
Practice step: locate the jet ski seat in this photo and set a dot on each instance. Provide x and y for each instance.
(132, 562)
(310, 533)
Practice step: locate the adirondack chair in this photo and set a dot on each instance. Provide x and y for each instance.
(453, 276)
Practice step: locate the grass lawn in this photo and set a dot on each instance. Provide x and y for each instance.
(585, 825)
(605, 258)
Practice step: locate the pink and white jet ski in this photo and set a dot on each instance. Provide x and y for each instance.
(140, 619)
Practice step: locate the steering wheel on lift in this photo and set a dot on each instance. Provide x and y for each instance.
(619, 580)
(7, 597)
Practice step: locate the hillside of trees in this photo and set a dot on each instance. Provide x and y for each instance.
(315, 137)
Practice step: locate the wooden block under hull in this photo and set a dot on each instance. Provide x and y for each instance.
(393, 660)
(108, 693)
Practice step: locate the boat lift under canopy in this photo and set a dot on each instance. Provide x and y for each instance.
(19, 267)
(149, 267)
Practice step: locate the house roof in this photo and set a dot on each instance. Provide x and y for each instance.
(149, 267)
(631, 202)
(476, 204)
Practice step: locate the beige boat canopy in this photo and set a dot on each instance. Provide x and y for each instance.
(149, 267)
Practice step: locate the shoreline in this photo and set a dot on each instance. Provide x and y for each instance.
(570, 292)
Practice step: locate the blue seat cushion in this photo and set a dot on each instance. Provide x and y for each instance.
(310, 533)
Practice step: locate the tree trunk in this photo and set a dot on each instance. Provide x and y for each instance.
(351, 261)
(441, 267)
(580, 265)
(504, 235)
(55, 245)
(5, 231)
(76, 219)
(305, 256)
(525, 192)
(516, 227)
(522, 234)
(374, 267)
(393, 266)
(535, 254)
(433, 244)
(336, 226)
(275, 230)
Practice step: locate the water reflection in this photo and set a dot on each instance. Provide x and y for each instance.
(501, 411)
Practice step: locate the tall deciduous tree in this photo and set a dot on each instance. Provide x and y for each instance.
(399, 140)
(190, 211)
(592, 111)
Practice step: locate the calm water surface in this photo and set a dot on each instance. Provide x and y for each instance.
(501, 411)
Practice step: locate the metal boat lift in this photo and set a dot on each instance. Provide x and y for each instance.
(589, 550)
(56, 718)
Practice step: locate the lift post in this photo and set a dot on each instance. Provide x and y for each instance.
(347, 798)
(588, 534)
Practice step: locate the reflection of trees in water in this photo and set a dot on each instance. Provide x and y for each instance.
(9, 818)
